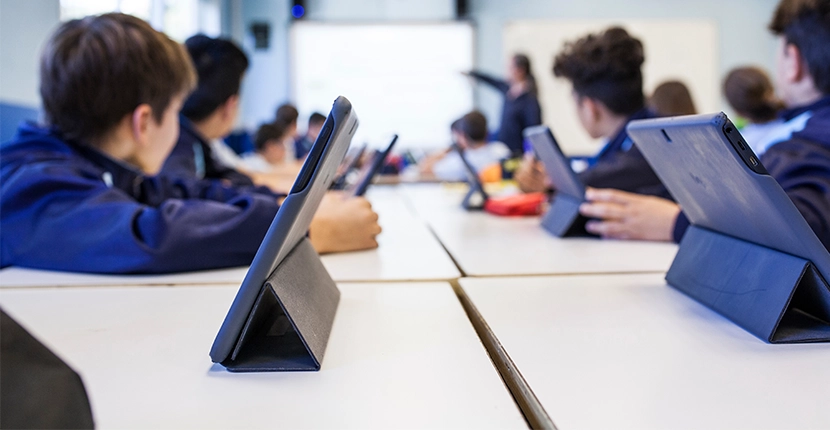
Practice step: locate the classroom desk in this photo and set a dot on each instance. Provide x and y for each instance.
(399, 356)
(487, 245)
(627, 351)
(407, 251)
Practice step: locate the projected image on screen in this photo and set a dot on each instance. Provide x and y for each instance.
(404, 78)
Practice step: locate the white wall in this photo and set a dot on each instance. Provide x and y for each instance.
(24, 27)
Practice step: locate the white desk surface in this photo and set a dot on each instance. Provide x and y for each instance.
(399, 356)
(407, 251)
(627, 351)
(489, 245)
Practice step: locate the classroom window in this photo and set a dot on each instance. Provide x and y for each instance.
(180, 19)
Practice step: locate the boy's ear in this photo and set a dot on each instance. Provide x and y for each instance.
(140, 121)
(794, 66)
(229, 108)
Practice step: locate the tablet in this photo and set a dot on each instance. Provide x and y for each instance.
(722, 186)
(557, 165)
(368, 173)
(349, 164)
(476, 197)
(291, 223)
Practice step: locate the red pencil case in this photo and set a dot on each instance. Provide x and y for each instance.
(518, 205)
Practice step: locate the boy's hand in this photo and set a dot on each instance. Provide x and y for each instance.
(344, 225)
(531, 177)
(624, 215)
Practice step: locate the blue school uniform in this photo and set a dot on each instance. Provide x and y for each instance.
(66, 206)
(621, 165)
(192, 158)
(517, 113)
(801, 165)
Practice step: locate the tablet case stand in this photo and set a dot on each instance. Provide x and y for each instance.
(777, 297)
(289, 326)
(563, 218)
(475, 197)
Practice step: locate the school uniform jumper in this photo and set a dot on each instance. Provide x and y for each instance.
(621, 165)
(67, 206)
(801, 165)
(193, 158)
(517, 113)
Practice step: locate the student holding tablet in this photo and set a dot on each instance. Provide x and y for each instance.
(79, 195)
(605, 70)
(800, 163)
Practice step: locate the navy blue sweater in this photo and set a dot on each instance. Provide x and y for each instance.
(517, 113)
(801, 165)
(66, 206)
(621, 165)
(192, 158)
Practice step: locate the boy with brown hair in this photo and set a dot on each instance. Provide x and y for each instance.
(77, 194)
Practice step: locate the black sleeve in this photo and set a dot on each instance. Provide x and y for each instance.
(493, 81)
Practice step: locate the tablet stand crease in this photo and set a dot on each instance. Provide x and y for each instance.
(776, 296)
(289, 325)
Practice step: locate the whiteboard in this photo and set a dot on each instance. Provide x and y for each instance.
(686, 50)
(400, 78)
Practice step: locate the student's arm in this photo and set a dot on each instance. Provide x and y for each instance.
(626, 171)
(490, 80)
(90, 227)
(803, 171)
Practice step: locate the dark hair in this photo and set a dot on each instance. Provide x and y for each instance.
(605, 67)
(672, 98)
(472, 125)
(96, 70)
(267, 132)
(750, 92)
(287, 114)
(220, 65)
(806, 24)
(316, 118)
(522, 62)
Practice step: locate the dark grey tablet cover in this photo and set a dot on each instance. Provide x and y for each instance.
(562, 218)
(373, 169)
(749, 254)
(255, 333)
(476, 197)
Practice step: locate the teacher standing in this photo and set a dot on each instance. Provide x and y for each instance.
(521, 105)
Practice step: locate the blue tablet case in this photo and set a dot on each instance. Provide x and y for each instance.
(562, 218)
(749, 253)
(281, 318)
(476, 197)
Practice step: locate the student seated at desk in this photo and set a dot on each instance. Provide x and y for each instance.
(270, 148)
(288, 116)
(209, 114)
(800, 162)
(78, 194)
(470, 133)
(605, 70)
(751, 94)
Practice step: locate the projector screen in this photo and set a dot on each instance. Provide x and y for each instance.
(400, 78)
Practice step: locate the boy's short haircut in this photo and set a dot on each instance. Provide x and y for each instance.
(316, 119)
(806, 24)
(605, 67)
(220, 65)
(287, 114)
(472, 125)
(268, 132)
(97, 70)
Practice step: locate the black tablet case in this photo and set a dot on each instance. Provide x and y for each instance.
(562, 218)
(749, 253)
(476, 197)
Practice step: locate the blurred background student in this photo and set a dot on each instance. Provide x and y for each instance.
(303, 143)
(269, 153)
(470, 133)
(751, 94)
(672, 98)
(287, 115)
(521, 105)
